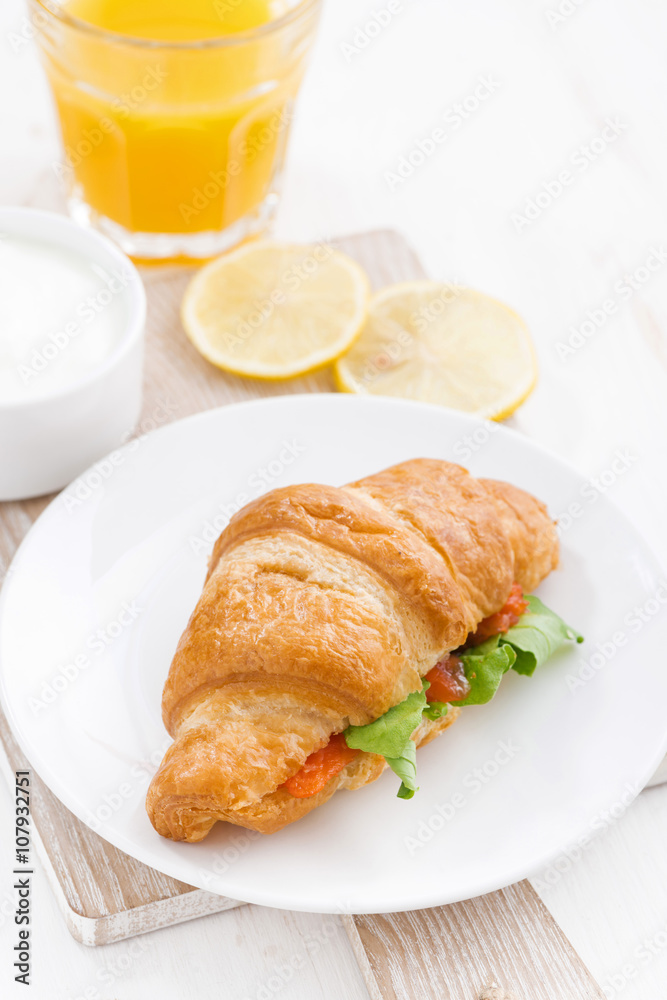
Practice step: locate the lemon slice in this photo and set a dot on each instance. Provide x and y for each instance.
(272, 311)
(442, 344)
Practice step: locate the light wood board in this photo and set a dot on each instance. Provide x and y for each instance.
(503, 946)
(479, 948)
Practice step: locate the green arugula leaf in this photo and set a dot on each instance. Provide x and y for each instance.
(485, 666)
(523, 648)
(537, 636)
(389, 734)
(405, 767)
(435, 710)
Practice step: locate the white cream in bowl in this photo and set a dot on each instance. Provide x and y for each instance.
(72, 312)
(60, 317)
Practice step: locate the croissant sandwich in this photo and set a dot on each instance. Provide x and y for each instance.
(340, 629)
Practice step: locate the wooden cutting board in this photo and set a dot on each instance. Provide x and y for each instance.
(503, 946)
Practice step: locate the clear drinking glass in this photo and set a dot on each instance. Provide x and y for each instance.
(174, 148)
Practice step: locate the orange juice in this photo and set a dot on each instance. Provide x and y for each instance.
(174, 20)
(175, 113)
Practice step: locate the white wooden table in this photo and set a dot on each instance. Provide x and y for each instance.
(523, 94)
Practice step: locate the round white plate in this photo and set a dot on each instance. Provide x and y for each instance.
(103, 586)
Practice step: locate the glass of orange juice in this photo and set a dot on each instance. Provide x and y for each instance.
(174, 114)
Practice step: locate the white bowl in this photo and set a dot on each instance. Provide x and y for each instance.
(47, 441)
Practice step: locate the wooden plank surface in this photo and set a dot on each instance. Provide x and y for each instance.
(503, 946)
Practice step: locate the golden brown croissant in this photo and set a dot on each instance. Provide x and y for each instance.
(323, 608)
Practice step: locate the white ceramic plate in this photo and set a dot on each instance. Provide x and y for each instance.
(104, 583)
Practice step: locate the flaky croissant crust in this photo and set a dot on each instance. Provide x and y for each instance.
(323, 607)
